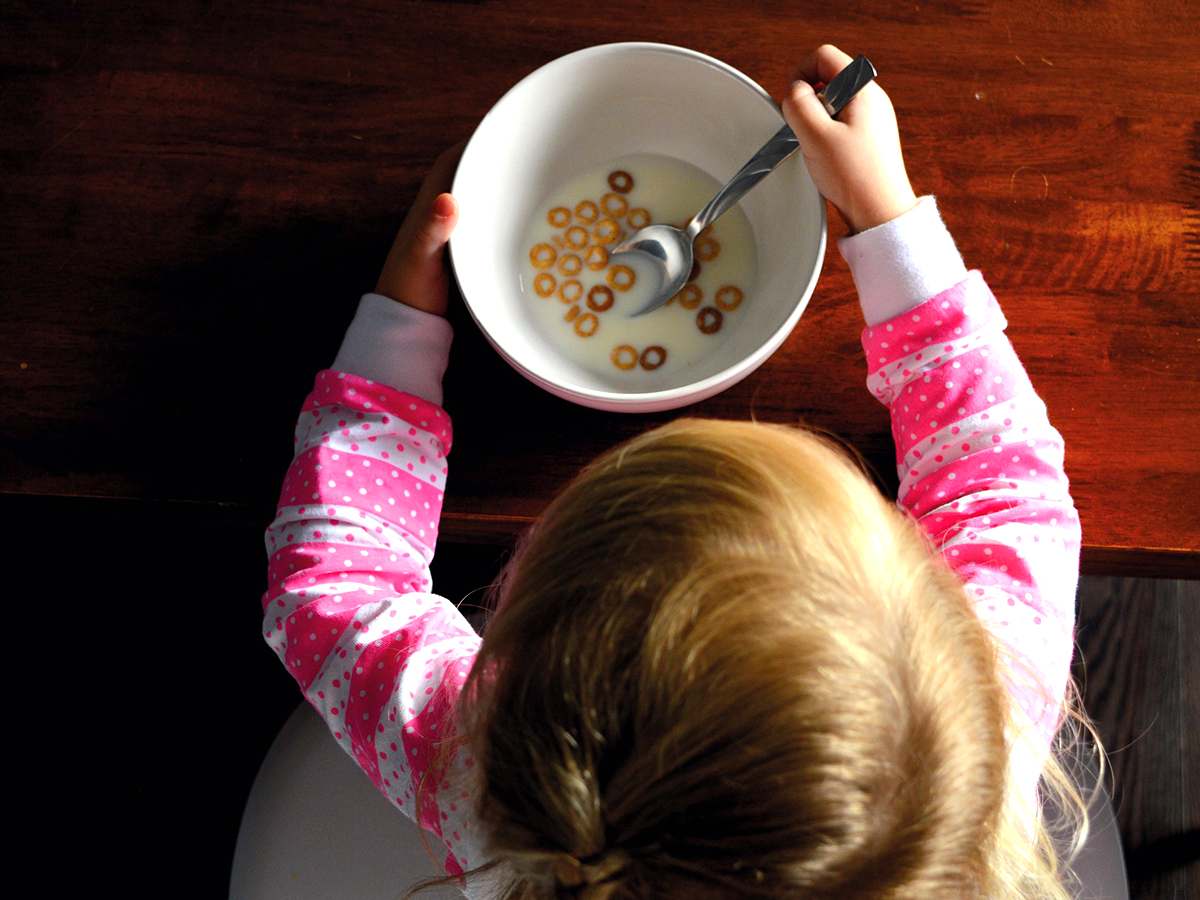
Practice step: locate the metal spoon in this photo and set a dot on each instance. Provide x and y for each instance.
(670, 249)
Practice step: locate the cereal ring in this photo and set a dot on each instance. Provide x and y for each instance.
(690, 296)
(596, 257)
(557, 241)
(586, 212)
(571, 313)
(620, 181)
(638, 218)
(624, 357)
(577, 237)
(614, 205)
(570, 264)
(586, 325)
(544, 284)
(600, 298)
(542, 256)
(606, 231)
(653, 357)
(621, 277)
(707, 248)
(709, 320)
(559, 217)
(729, 297)
(570, 291)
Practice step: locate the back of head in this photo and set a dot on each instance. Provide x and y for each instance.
(725, 666)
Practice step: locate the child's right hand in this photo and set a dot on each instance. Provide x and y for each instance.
(855, 160)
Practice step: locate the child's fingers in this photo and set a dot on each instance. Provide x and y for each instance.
(415, 270)
(805, 112)
(820, 65)
(444, 206)
(439, 179)
(437, 222)
(814, 72)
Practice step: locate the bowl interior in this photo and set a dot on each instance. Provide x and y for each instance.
(604, 102)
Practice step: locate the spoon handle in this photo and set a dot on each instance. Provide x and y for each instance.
(837, 93)
(772, 153)
(846, 84)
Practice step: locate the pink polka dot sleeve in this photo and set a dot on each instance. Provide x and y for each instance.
(981, 468)
(348, 607)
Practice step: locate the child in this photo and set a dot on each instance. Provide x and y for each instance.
(723, 665)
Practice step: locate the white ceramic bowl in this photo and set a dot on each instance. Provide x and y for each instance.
(595, 105)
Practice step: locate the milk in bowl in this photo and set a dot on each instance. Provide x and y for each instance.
(579, 297)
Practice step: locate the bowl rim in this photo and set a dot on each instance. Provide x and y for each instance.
(668, 398)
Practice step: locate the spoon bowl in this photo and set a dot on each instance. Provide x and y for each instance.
(667, 252)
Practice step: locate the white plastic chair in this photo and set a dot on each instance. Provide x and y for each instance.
(1100, 863)
(315, 828)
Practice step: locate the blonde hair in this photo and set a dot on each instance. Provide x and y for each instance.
(725, 666)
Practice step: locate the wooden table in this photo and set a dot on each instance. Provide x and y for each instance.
(187, 186)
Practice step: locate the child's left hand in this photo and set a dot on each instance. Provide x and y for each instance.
(415, 271)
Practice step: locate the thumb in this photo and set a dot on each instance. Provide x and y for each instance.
(415, 270)
(804, 111)
(436, 226)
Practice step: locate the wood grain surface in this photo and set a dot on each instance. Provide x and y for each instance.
(194, 194)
